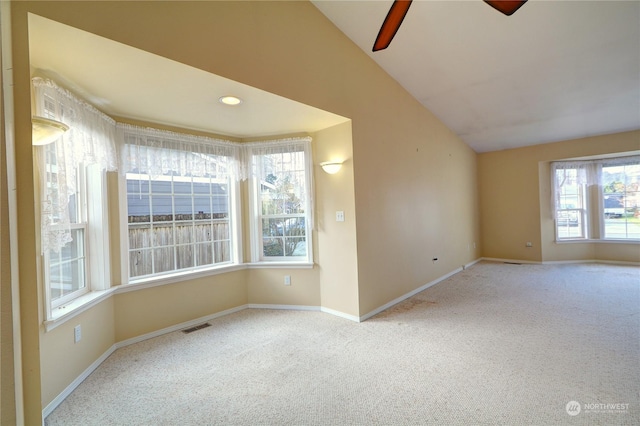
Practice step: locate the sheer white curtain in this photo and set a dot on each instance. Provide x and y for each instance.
(581, 172)
(90, 140)
(158, 152)
(248, 167)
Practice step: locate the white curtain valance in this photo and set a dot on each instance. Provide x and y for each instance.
(89, 141)
(160, 152)
(582, 173)
(278, 146)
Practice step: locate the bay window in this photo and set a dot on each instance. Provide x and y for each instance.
(597, 199)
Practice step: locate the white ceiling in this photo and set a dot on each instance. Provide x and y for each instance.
(554, 70)
(127, 82)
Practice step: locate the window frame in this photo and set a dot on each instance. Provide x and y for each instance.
(256, 216)
(233, 233)
(624, 195)
(92, 213)
(146, 143)
(593, 198)
(580, 210)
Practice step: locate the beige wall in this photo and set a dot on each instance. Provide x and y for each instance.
(515, 193)
(416, 198)
(408, 188)
(336, 252)
(65, 359)
(148, 310)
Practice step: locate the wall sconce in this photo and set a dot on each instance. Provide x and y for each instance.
(44, 130)
(331, 167)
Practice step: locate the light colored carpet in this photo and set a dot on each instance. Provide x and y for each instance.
(494, 344)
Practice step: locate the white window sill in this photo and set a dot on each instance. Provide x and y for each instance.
(177, 277)
(280, 265)
(63, 313)
(597, 241)
(75, 307)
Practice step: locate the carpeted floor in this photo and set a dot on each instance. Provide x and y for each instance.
(494, 344)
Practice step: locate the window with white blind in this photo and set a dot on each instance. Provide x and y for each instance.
(597, 199)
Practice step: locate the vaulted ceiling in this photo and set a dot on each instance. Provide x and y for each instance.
(554, 70)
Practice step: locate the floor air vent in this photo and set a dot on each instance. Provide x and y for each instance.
(196, 328)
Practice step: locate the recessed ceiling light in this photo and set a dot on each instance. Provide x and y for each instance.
(230, 100)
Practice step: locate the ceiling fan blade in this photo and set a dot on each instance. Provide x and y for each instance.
(391, 24)
(508, 7)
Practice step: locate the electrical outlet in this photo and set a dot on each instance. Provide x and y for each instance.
(77, 333)
(529, 244)
(339, 216)
(287, 280)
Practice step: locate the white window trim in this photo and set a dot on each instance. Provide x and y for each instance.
(96, 248)
(255, 226)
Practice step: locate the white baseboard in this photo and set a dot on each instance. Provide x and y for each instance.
(494, 259)
(178, 327)
(559, 262)
(470, 264)
(411, 293)
(73, 385)
(607, 262)
(339, 314)
(283, 307)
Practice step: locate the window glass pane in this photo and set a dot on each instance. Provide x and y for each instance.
(184, 233)
(569, 223)
(140, 263)
(161, 186)
(203, 232)
(202, 207)
(163, 235)
(272, 247)
(222, 251)
(55, 281)
(184, 256)
(138, 208)
(137, 186)
(221, 230)
(204, 254)
(620, 195)
(184, 207)
(162, 207)
(200, 187)
(294, 226)
(139, 236)
(66, 273)
(272, 227)
(295, 246)
(571, 210)
(181, 187)
(163, 260)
